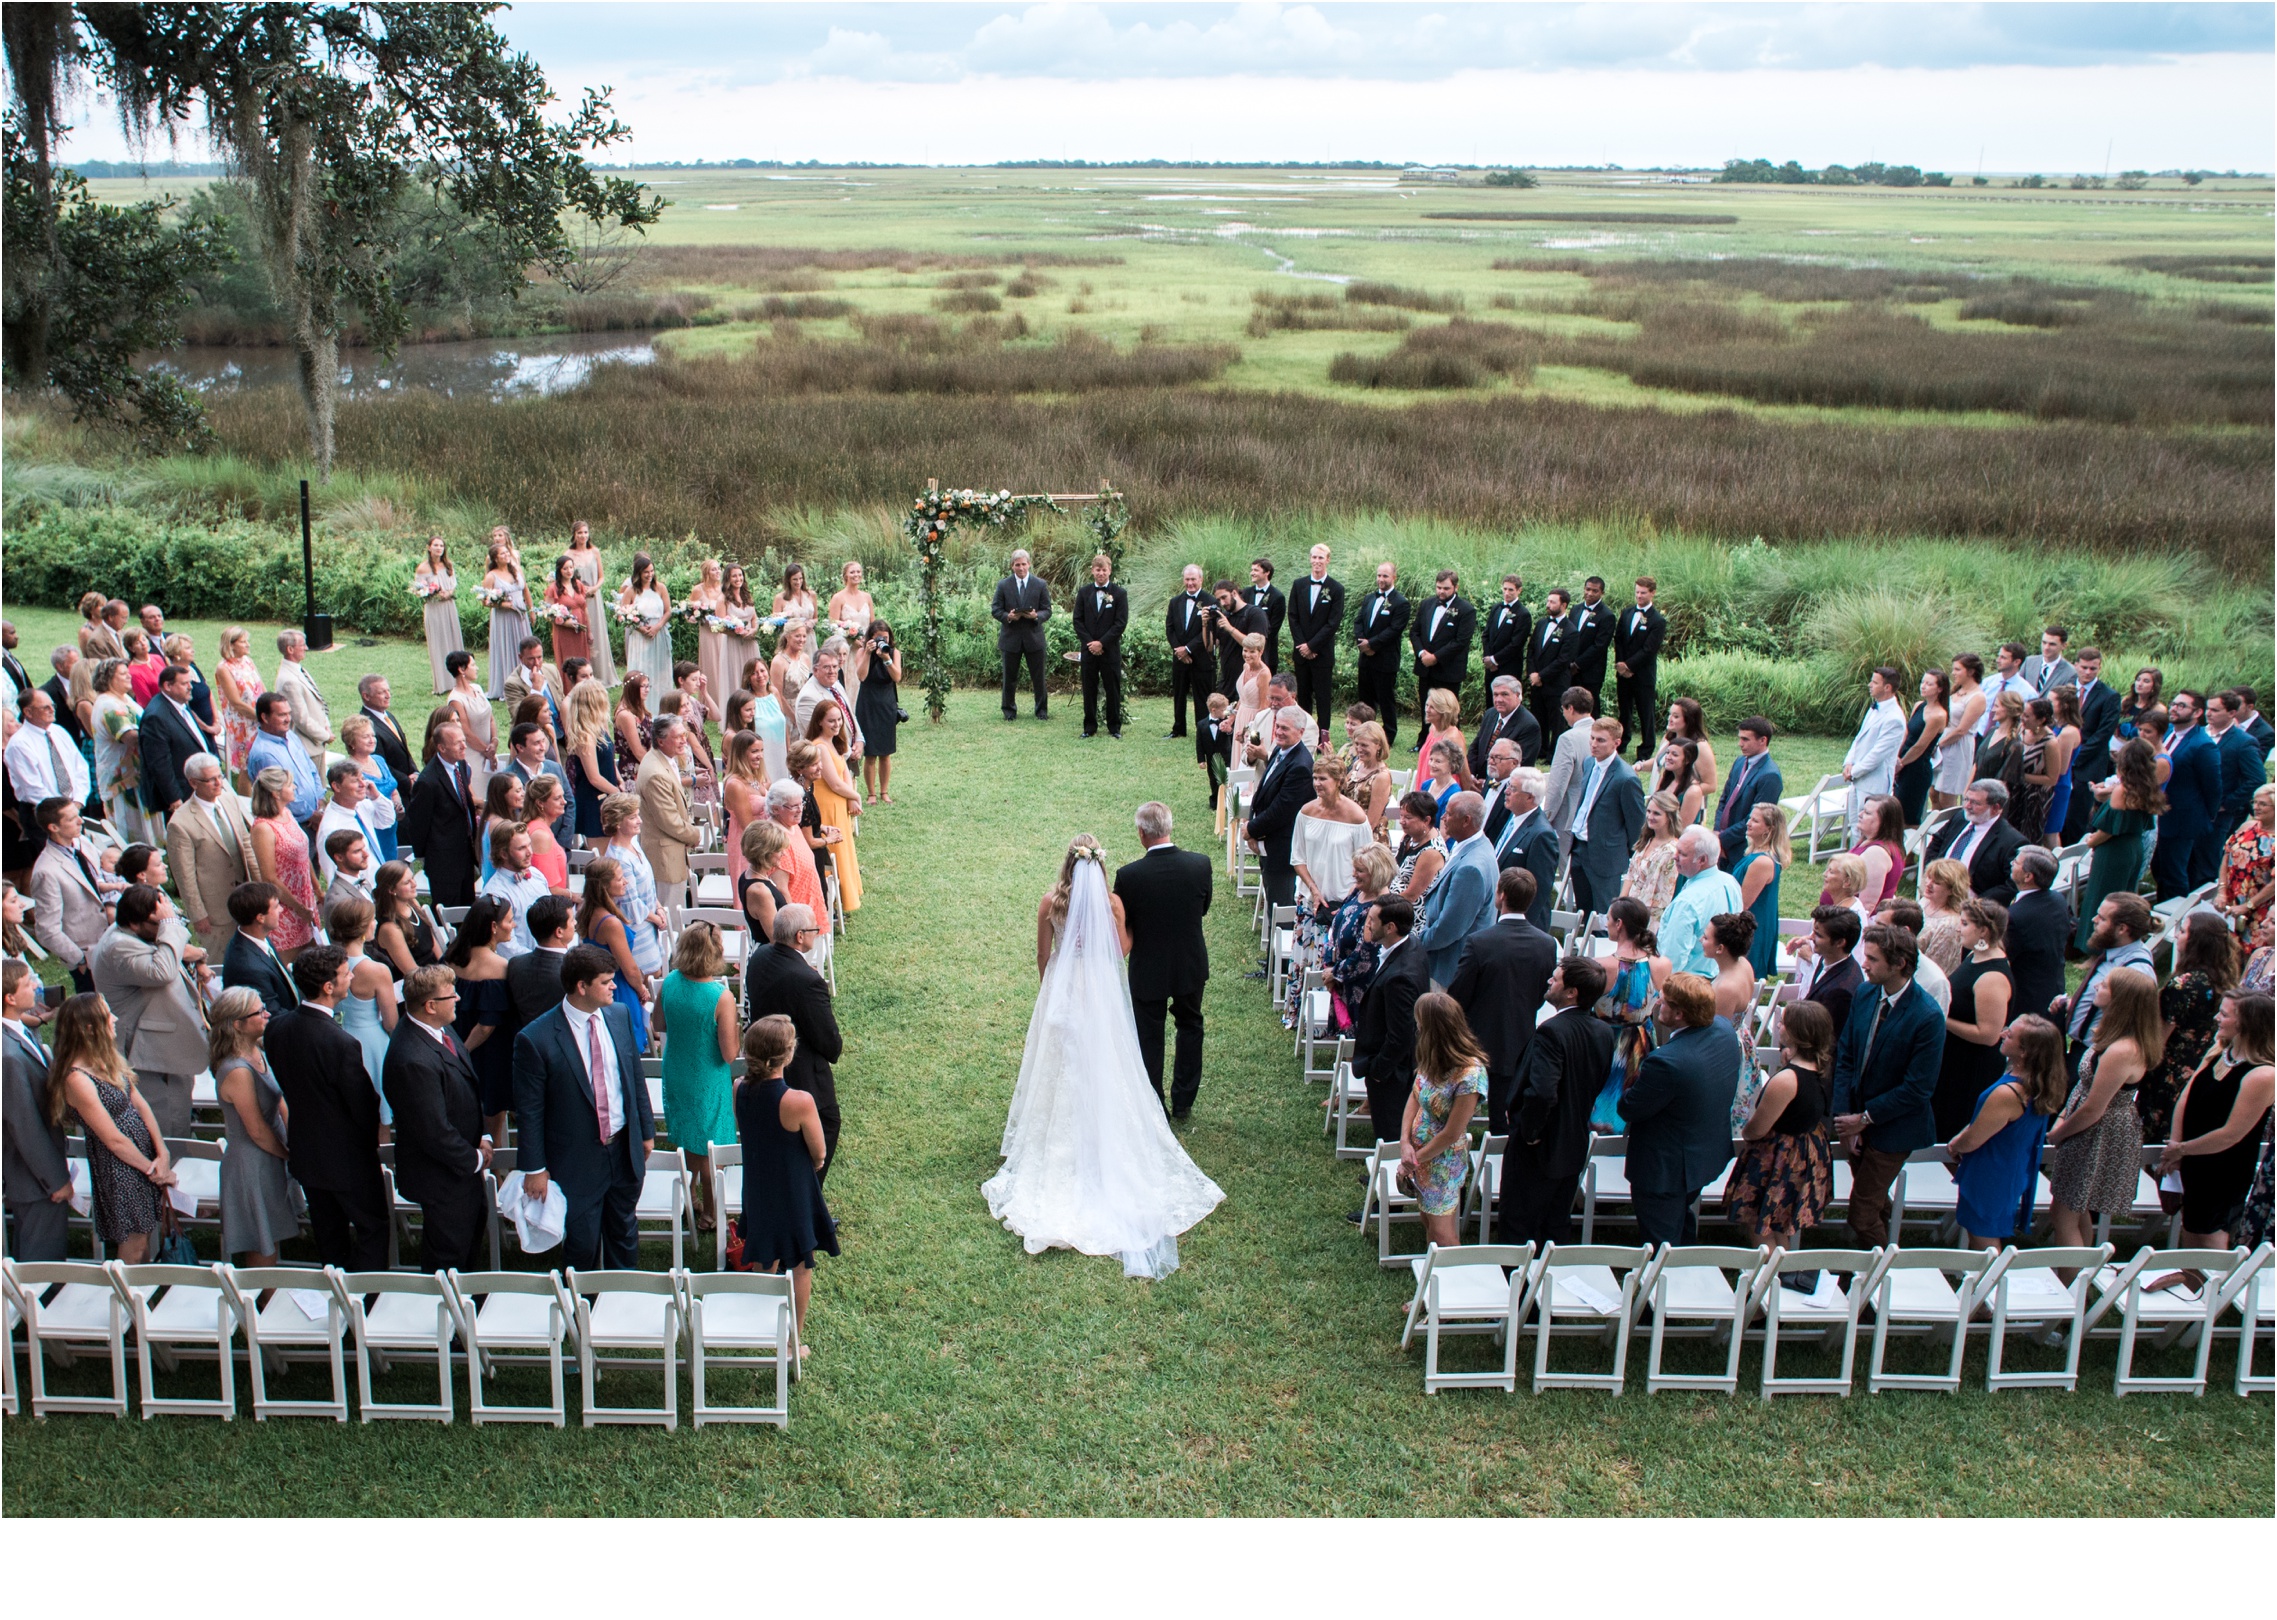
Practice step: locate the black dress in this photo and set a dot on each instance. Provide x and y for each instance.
(2214, 1185)
(1913, 781)
(126, 1201)
(1783, 1182)
(877, 706)
(1968, 1068)
(785, 1220)
(488, 1001)
(743, 884)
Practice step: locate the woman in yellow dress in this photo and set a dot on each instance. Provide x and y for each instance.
(837, 798)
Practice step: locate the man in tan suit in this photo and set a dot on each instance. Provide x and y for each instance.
(666, 832)
(531, 677)
(162, 1032)
(70, 895)
(209, 849)
(312, 718)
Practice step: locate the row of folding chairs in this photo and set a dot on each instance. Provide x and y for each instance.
(1728, 1297)
(269, 1318)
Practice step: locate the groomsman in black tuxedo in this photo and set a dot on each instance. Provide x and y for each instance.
(1165, 895)
(1316, 615)
(1023, 602)
(1441, 636)
(1376, 631)
(1267, 599)
(1636, 660)
(1592, 636)
(1503, 637)
(1284, 786)
(1102, 613)
(1186, 629)
(2098, 723)
(1549, 664)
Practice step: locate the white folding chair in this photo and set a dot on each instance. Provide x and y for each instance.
(627, 1311)
(302, 1322)
(1486, 1183)
(1281, 935)
(1347, 1095)
(524, 1318)
(1915, 1296)
(197, 1170)
(410, 1314)
(2174, 1314)
(1586, 1290)
(1315, 1023)
(734, 928)
(1386, 1204)
(1925, 1192)
(1690, 1297)
(82, 1312)
(709, 886)
(1830, 1311)
(2257, 1319)
(1566, 929)
(2027, 1291)
(194, 1312)
(1476, 1288)
(752, 1316)
(664, 1197)
(1823, 813)
(1604, 1181)
(452, 916)
(8, 1364)
(727, 1195)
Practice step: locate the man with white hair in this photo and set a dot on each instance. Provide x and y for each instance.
(1506, 720)
(1703, 890)
(312, 720)
(1501, 760)
(781, 979)
(827, 685)
(1165, 895)
(1528, 840)
(209, 850)
(1185, 629)
(667, 831)
(1284, 786)
(1022, 604)
(1460, 900)
(1257, 741)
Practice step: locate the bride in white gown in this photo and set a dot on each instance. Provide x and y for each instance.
(1089, 1161)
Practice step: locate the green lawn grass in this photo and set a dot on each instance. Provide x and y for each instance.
(954, 1374)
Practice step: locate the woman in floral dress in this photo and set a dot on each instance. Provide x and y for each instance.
(118, 757)
(1636, 971)
(1652, 868)
(1450, 1078)
(237, 682)
(2247, 866)
(2205, 970)
(281, 849)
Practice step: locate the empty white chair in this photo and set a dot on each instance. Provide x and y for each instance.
(197, 1171)
(1604, 1182)
(664, 1197)
(727, 1196)
(83, 1312)
(1386, 1203)
(1486, 1183)
(749, 1315)
(2027, 1291)
(2174, 1313)
(301, 1322)
(1584, 1290)
(8, 1365)
(1476, 1288)
(1820, 815)
(627, 1310)
(1316, 1025)
(734, 928)
(523, 1318)
(195, 1312)
(1347, 1095)
(410, 1314)
(1916, 1295)
(1829, 1311)
(2257, 1319)
(1691, 1297)
(1281, 949)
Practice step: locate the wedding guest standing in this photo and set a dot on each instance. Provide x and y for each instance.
(1769, 854)
(237, 681)
(648, 637)
(1450, 1081)
(1607, 818)
(440, 1151)
(566, 592)
(37, 1176)
(1500, 981)
(1284, 785)
(1330, 831)
(1983, 1003)
(1754, 780)
(668, 833)
(126, 1153)
(440, 581)
(1784, 1176)
(1021, 605)
(1102, 614)
(2130, 803)
(116, 726)
(258, 1207)
(1378, 628)
(282, 855)
(1678, 1108)
(2219, 1121)
(635, 721)
(785, 1222)
(877, 706)
(509, 596)
(2098, 1139)
(1917, 753)
(2249, 860)
(590, 755)
(695, 1018)
(1996, 1160)
(780, 981)
(443, 820)
(467, 706)
(1316, 618)
(1566, 1065)
(143, 976)
(1886, 1060)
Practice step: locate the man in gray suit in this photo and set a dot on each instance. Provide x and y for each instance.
(162, 1032)
(2049, 668)
(70, 894)
(34, 1175)
(1569, 750)
(1605, 820)
(1460, 900)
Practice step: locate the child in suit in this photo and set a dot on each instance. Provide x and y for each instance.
(1216, 743)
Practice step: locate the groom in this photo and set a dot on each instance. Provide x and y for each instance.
(1165, 894)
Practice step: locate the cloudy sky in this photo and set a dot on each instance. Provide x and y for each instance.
(2030, 86)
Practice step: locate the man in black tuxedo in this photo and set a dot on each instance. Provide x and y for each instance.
(1985, 841)
(333, 1146)
(1504, 632)
(1505, 717)
(1266, 598)
(442, 819)
(1022, 604)
(2098, 724)
(1187, 631)
(1441, 636)
(1316, 615)
(1102, 614)
(1230, 621)
(1165, 895)
(1637, 636)
(1592, 637)
(440, 1149)
(258, 909)
(1527, 841)
(1567, 1064)
(2039, 928)
(1753, 779)
(533, 977)
(1500, 980)
(1549, 664)
(1383, 1036)
(388, 740)
(170, 735)
(1834, 940)
(584, 1113)
(1376, 631)
(1284, 786)
(780, 980)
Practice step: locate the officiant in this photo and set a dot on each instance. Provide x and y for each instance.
(1023, 602)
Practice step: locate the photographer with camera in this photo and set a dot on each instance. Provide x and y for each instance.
(1226, 624)
(877, 706)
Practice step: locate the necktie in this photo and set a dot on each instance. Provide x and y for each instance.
(86, 870)
(1738, 786)
(1966, 842)
(1581, 812)
(65, 782)
(600, 1068)
(1881, 1011)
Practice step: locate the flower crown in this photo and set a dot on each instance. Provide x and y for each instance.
(1090, 852)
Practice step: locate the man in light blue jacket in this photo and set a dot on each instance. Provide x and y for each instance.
(1460, 901)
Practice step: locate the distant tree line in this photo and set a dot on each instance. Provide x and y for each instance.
(1763, 172)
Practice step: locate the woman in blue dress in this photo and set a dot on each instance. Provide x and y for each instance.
(1996, 1158)
(601, 921)
(1768, 856)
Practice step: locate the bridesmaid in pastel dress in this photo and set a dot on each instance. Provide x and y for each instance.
(442, 610)
(648, 644)
(509, 608)
(794, 602)
(712, 654)
(793, 662)
(852, 608)
(566, 590)
(743, 633)
(587, 556)
(237, 682)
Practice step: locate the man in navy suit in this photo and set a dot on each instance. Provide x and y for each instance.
(1752, 780)
(2091, 761)
(1383, 1033)
(1678, 1108)
(440, 1148)
(170, 735)
(2193, 798)
(1608, 818)
(258, 909)
(1284, 786)
(2240, 763)
(582, 1109)
(1500, 981)
(1885, 1070)
(1460, 900)
(1528, 842)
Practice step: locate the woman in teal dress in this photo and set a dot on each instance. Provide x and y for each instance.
(1625, 1004)
(2117, 829)
(695, 1015)
(1435, 1137)
(1768, 856)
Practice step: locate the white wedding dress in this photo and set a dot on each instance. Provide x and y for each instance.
(1089, 1160)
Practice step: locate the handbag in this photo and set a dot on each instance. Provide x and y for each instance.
(900, 714)
(174, 1248)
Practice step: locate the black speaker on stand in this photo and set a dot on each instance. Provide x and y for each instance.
(316, 626)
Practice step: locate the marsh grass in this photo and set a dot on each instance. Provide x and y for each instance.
(1384, 293)
(1272, 312)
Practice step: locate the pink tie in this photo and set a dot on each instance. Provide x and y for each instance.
(600, 1074)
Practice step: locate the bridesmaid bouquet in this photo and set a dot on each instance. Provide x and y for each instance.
(627, 616)
(556, 613)
(494, 595)
(688, 611)
(422, 589)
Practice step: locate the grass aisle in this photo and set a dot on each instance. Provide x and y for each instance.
(953, 1374)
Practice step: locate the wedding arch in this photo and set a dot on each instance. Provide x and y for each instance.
(933, 514)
